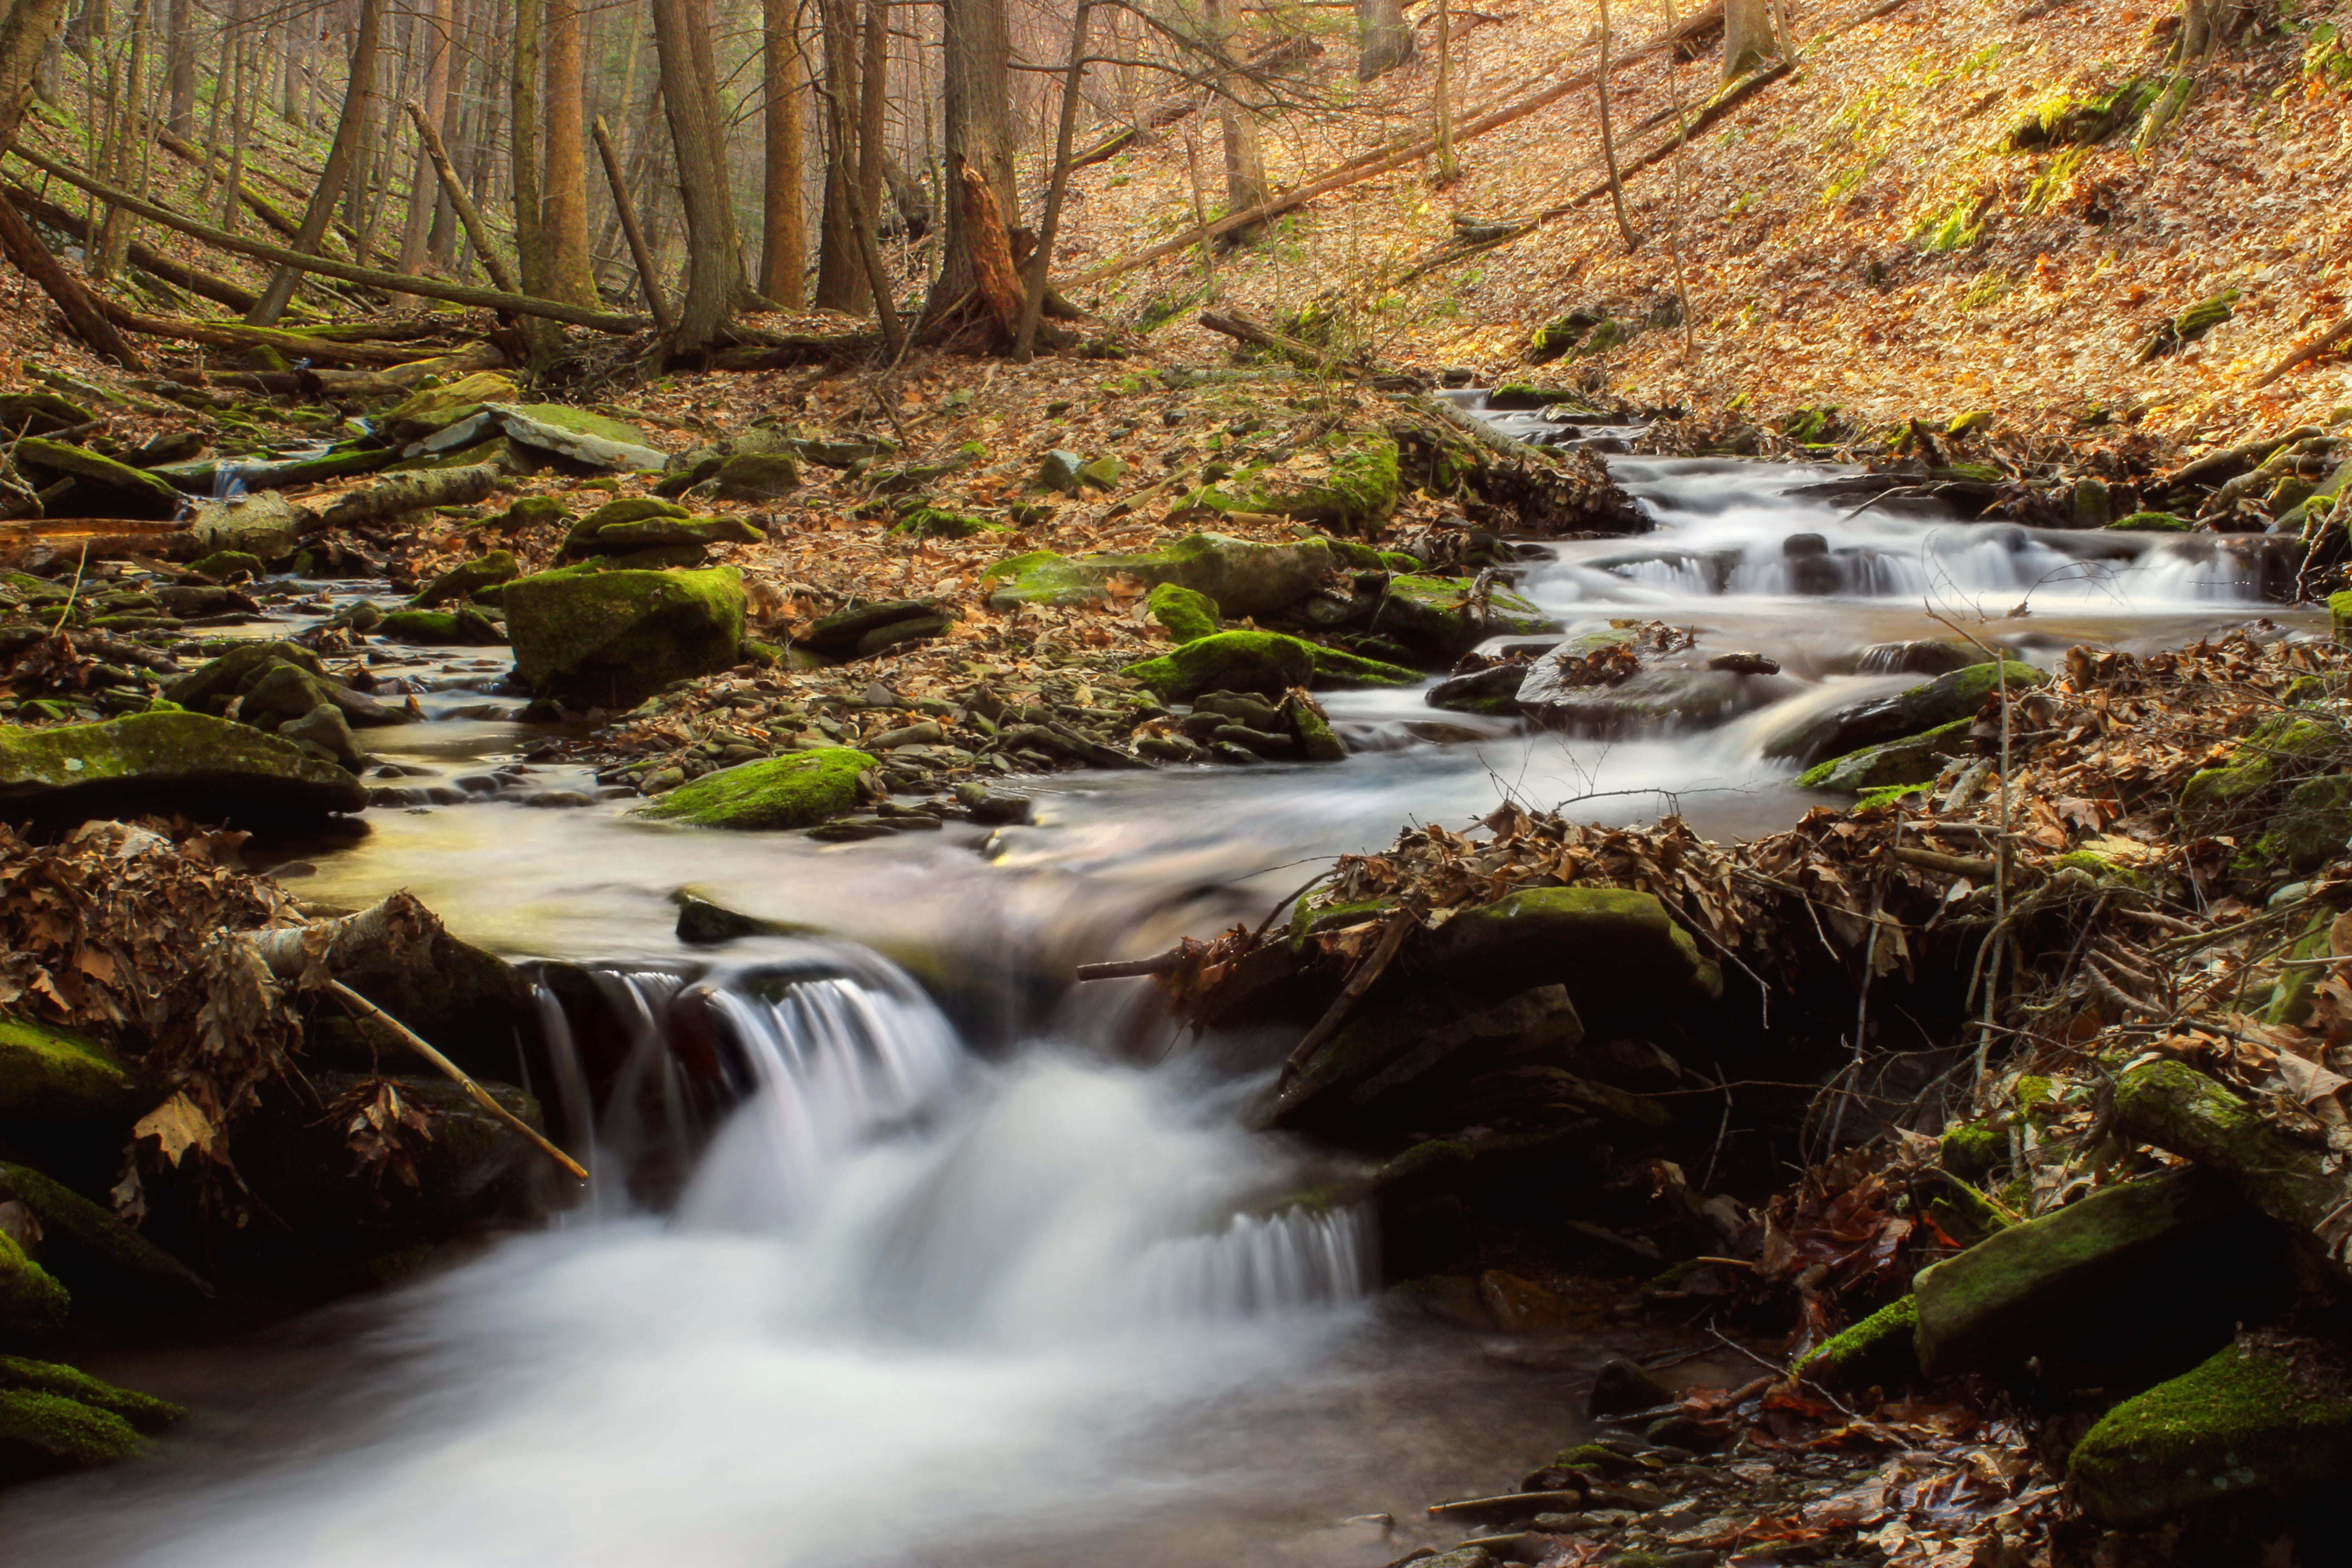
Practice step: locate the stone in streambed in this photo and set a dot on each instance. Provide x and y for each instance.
(262, 524)
(1921, 655)
(1266, 662)
(582, 542)
(463, 582)
(1242, 577)
(463, 626)
(1435, 617)
(1622, 1386)
(1651, 701)
(2149, 1272)
(1618, 952)
(209, 687)
(1494, 691)
(1917, 761)
(324, 730)
(783, 793)
(2247, 1421)
(185, 763)
(423, 413)
(1912, 712)
(49, 1074)
(611, 640)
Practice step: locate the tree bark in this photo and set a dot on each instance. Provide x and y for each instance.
(1385, 37)
(1033, 302)
(24, 249)
(977, 131)
(840, 274)
(179, 75)
(1608, 139)
(468, 214)
(873, 103)
(522, 158)
(1749, 36)
(648, 279)
(427, 181)
(563, 224)
(341, 156)
(1246, 181)
(714, 282)
(783, 229)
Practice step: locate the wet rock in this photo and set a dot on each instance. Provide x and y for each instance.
(1913, 711)
(263, 525)
(1394, 1055)
(466, 581)
(229, 565)
(1188, 615)
(94, 1252)
(1653, 700)
(325, 729)
(1494, 690)
(31, 1303)
(1616, 951)
(209, 687)
(463, 626)
(184, 762)
(2251, 1420)
(1917, 761)
(2152, 1269)
(990, 807)
(758, 476)
(1623, 1385)
(2178, 1109)
(1244, 579)
(1881, 1350)
(611, 640)
(798, 791)
(49, 1074)
(1316, 741)
(1438, 617)
(1922, 655)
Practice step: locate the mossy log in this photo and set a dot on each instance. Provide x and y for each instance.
(413, 492)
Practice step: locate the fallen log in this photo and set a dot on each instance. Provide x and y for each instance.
(1243, 329)
(2309, 351)
(89, 324)
(144, 256)
(648, 281)
(104, 538)
(261, 206)
(460, 199)
(220, 334)
(409, 492)
(350, 272)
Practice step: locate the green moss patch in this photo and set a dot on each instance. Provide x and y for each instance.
(783, 792)
(52, 1074)
(1877, 1350)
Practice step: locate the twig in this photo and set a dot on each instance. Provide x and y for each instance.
(1370, 969)
(457, 1075)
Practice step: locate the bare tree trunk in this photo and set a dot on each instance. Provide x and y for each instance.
(873, 102)
(341, 156)
(715, 281)
(1246, 181)
(1608, 139)
(25, 34)
(423, 185)
(648, 281)
(126, 116)
(977, 129)
(468, 213)
(179, 75)
(563, 223)
(1040, 264)
(1749, 36)
(840, 275)
(1448, 171)
(783, 228)
(1384, 38)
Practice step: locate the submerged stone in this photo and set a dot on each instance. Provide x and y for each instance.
(783, 793)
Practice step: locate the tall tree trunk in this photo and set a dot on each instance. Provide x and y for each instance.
(179, 75)
(1246, 181)
(977, 131)
(1384, 39)
(522, 145)
(783, 228)
(1749, 36)
(715, 281)
(564, 221)
(26, 32)
(873, 103)
(1448, 171)
(1608, 139)
(424, 185)
(840, 274)
(126, 103)
(341, 157)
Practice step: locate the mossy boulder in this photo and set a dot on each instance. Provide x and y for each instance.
(2275, 748)
(49, 1074)
(1621, 956)
(783, 793)
(2312, 825)
(466, 581)
(611, 640)
(229, 564)
(2130, 1273)
(209, 687)
(2247, 1421)
(1267, 663)
(758, 476)
(657, 532)
(1877, 1351)
(1348, 482)
(1187, 616)
(582, 541)
(51, 1430)
(93, 1251)
(1494, 691)
(2152, 522)
(1435, 617)
(262, 524)
(423, 413)
(1971, 1150)
(137, 491)
(31, 1302)
(186, 762)
(463, 626)
(933, 522)
(1915, 760)
(144, 1412)
(1916, 711)
(1242, 577)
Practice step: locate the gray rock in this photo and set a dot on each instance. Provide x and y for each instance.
(185, 762)
(1912, 712)
(1653, 700)
(325, 728)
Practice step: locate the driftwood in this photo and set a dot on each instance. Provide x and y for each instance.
(24, 247)
(409, 492)
(350, 272)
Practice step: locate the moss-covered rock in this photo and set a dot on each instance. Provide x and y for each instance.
(186, 762)
(1915, 710)
(63, 1431)
(758, 476)
(1242, 577)
(1348, 483)
(1876, 1350)
(933, 523)
(52, 1074)
(1188, 615)
(2153, 522)
(462, 628)
(611, 640)
(1316, 741)
(2311, 826)
(582, 541)
(142, 1411)
(1435, 617)
(657, 532)
(1494, 690)
(436, 408)
(1971, 1150)
(2245, 1422)
(2277, 747)
(1915, 760)
(1619, 953)
(31, 1302)
(798, 791)
(2176, 1108)
(2119, 1271)
(139, 492)
(1268, 663)
(229, 565)
(466, 581)
(93, 1251)
(529, 511)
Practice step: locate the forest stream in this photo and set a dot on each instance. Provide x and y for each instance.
(981, 1268)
